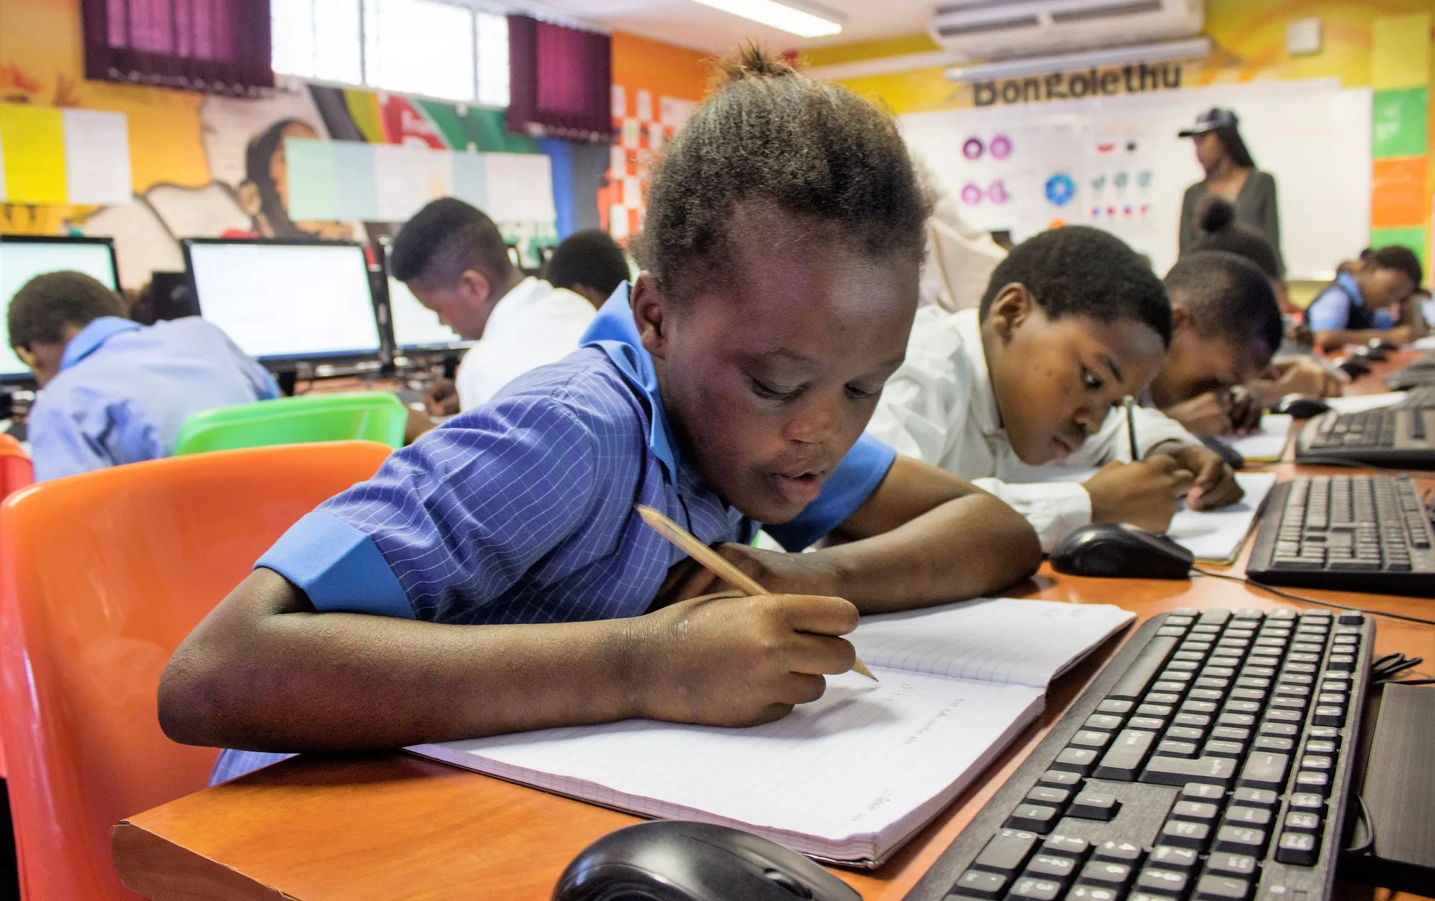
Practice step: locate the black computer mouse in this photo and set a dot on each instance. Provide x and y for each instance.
(1354, 366)
(1120, 551)
(673, 860)
(1303, 407)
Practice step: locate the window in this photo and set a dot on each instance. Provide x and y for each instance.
(428, 47)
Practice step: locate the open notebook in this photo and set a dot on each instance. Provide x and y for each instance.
(1268, 442)
(847, 778)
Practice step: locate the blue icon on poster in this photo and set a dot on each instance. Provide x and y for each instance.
(1060, 189)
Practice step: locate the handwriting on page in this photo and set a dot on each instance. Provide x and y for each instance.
(991, 640)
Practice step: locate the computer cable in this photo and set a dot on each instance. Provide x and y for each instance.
(1309, 600)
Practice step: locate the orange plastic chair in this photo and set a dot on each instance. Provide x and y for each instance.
(16, 470)
(101, 576)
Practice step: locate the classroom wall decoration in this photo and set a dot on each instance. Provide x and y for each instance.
(1381, 45)
(63, 156)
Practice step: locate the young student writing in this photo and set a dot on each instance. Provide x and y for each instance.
(495, 576)
(1226, 326)
(452, 257)
(1072, 322)
(1370, 301)
(114, 391)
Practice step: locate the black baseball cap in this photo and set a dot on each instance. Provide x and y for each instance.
(1210, 120)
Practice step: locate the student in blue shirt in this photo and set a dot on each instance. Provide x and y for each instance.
(1370, 300)
(114, 391)
(494, 576)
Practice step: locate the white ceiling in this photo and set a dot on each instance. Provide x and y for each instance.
(704, 28)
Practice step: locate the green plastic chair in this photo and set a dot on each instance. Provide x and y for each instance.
(367, 416)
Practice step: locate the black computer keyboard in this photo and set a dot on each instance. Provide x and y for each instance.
(1356, 532)
(1420, 372)
(1403, 438)
(1416, 398)
(1208, 762)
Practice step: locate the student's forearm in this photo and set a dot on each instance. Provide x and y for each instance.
(265, 672)
(1334, 339)
(963, 548)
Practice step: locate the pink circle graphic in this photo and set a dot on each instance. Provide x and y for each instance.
(971, 194)
(1001, 147)
(997, 192)
(973, 148)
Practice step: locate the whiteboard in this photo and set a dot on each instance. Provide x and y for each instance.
(1116, 163)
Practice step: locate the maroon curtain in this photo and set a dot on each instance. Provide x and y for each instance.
(217, 46)
(560, 81)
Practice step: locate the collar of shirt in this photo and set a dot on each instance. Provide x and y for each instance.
(615, 333)
(985, 414)
(92, 336)
(1352, 288)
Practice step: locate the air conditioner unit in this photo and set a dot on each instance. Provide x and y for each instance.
(1002, 29)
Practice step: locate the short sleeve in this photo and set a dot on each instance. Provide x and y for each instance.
(455, 519)
(848, 488)
(1329, 311)
(65, 429)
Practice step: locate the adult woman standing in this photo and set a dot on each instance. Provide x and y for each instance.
(1232, 174)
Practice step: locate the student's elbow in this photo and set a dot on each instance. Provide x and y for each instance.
(1020, 546)
(1327, 340)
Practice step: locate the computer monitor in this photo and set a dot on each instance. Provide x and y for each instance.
(416, 327)
(286, 301)
(22, 257)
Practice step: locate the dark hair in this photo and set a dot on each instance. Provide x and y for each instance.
(1228, 295)
(589, 258)
(810, 149)
(47, 303)
(444, 239)
(1216, 218)
(1399, 258)
(1077, 270)
(1230, 138)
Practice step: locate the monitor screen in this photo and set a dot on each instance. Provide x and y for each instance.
(286, 301)
(416, 327)
(23, 259)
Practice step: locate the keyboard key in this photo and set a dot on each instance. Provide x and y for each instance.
(1046, 794)
(1162, 882)
(1094, 806)
(1117, 706)
(1146, 723)
(1050, 866)
(1036, 818)
(1107, 873)
(1301, 821)
(1118, 852)
(1176, 749)
(1221, 888)
(1060, 779)
(1255, 797)
(1181, 834)
(1230, 733)
(1087, 892)
(977, 884)
(1240, 815)
(1215, 748)
(1195, 812)
(1103, 721)
(1314, 782)
(1075, 760)
(1184, 733)
(1317, 762)
(1089, 738)
(1147, 664)
(1272, 743)
(1029, 888)
(1329, 715)
(1178, 771)
(1265, 770)
(1124, 758)
(1168, 858)
(1066, 846)
(1280, 730)
(1298, 848)
(1235, 719)
(1006, 852)
(1306, 801)
(1224, 863)
(1196, 791)
(1241, 840)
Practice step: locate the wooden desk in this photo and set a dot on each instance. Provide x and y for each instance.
(390, 826)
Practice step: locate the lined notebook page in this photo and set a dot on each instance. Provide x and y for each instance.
(1268, 442)
(990, 640)
(848, 777)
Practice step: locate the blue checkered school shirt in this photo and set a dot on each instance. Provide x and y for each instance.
(521, 511)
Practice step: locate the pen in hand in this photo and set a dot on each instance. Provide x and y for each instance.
(1130, 404)
(714, 562)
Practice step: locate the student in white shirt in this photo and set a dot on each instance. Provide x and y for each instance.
(1072, 322)
(454, 260)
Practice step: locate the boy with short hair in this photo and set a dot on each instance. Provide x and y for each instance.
(1072, 322)
(589, 263)
(1369, 301)
(495, 577)
(1226, 326)
(114, 391)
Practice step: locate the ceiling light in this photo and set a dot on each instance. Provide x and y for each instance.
(820, 22)
(1194, 48)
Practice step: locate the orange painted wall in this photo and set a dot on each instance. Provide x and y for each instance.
(663, 69)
